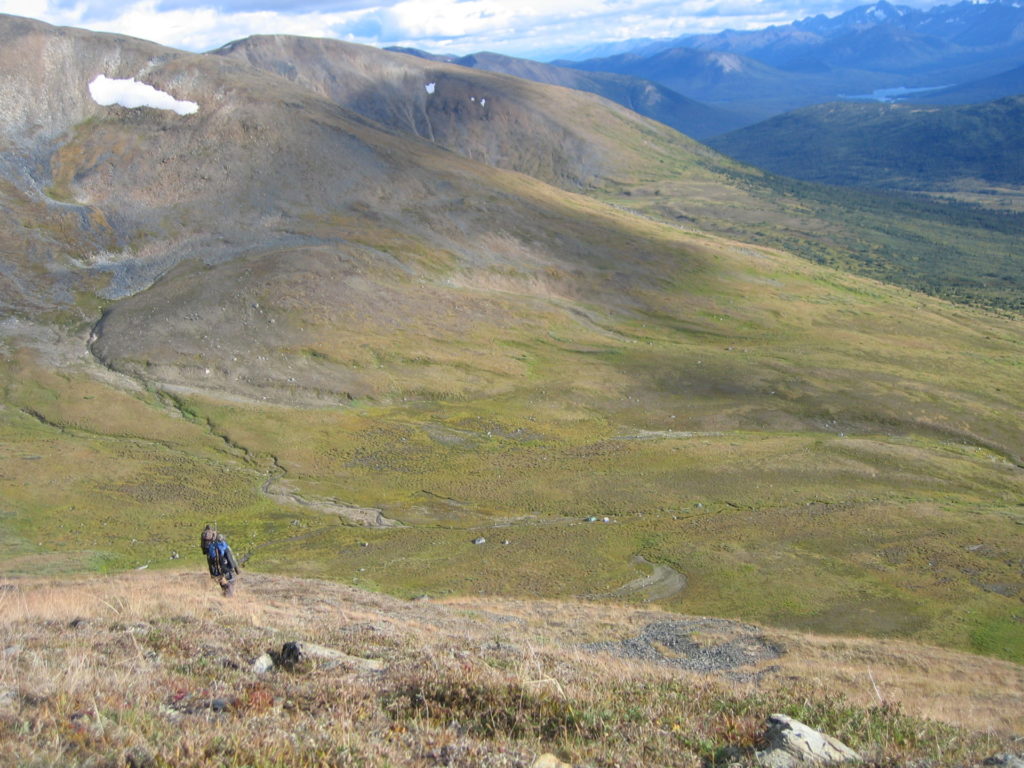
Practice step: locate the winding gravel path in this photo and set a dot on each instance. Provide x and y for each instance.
(371, 517)
(660, 584)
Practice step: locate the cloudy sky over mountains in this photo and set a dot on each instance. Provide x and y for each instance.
(537, 28)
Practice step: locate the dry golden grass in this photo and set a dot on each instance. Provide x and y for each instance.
(156, 669)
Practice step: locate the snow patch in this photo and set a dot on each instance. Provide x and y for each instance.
(430, 87)
(728, 62)
(130, 93)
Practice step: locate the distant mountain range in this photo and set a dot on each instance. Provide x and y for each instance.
(819, 59)
(706, 85)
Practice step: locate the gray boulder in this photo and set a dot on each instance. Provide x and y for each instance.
(791, 744)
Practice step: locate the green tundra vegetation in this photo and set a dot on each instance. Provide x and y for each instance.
(835, 454)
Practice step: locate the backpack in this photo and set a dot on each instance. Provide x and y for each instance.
(217, 558)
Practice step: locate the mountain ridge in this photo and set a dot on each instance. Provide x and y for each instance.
(645, 97)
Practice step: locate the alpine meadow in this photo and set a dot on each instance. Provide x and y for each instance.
(484, 378)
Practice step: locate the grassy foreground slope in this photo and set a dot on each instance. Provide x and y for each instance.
(157, 669)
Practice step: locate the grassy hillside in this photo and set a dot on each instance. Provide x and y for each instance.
(155, 669)
(909, 147)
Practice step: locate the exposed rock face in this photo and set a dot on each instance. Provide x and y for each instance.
(791, 743)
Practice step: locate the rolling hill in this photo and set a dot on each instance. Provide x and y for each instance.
(896, 146)
(999, 86)
(364, 310)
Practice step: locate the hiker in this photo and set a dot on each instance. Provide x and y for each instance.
(222, 563)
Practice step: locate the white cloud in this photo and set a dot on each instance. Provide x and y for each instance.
(449, 26)
(131, 93)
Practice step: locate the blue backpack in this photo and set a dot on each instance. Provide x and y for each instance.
(217, 558)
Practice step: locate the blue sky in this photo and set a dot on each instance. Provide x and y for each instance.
(531, 28)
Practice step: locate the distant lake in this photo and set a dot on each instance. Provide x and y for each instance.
(891, 94)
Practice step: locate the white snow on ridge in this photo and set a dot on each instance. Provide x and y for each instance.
(130, 93)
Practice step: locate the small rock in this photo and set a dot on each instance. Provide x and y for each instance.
(547, 760)
(8, 699)
(291, 654)
(139, 757)
(79, 622)
(605, 520)
(332, 655)
(364, 543)
(480, 540)
(446, 755)
(506, 542)
(591, 519)
(1005, 760)
(220, 705)
(263, 664)
(792, 744)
